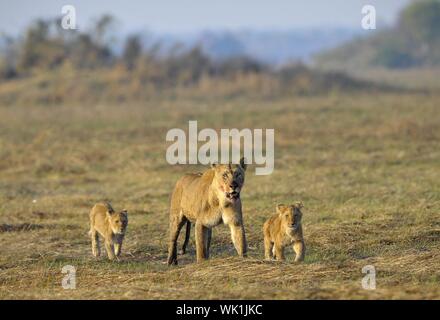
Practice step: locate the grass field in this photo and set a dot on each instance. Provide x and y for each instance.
(366, 167)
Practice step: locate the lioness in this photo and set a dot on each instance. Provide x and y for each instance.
(208, 200)
(282, 229)
(111, 226)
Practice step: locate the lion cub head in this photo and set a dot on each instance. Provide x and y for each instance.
(229, 179)
(118, 220)
(290, 216)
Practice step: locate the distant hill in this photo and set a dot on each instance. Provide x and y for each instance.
(275, 47)
(270, 47)
(413, 42)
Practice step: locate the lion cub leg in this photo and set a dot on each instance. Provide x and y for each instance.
(268, 247)
(96, 250)
(279, 252)
(118, 245)
(109, 247)
(300, 250)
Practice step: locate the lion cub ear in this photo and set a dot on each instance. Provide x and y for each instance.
(214, 165)
(110, 209)
(280, 208)
(243, 163)
(110, 213)
(298, 205)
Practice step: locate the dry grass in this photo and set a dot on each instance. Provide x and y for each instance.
(420, 78)
(365, 166)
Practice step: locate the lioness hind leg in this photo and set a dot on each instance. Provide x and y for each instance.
(208, 241)
(187, 235)
(96, 250)
(208, 236)
(175, 225)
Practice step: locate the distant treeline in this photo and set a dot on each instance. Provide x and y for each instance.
(47, 46)
(54, 65)
(413, 42)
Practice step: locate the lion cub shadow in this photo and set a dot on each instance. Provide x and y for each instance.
(136, 255)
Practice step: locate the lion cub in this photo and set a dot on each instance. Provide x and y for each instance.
(111, 226)
(283, 229)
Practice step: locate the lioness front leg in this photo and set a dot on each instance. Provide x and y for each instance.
(200, 231)
(238, 238)
(300, 250)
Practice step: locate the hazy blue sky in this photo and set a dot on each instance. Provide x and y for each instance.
(180, 16)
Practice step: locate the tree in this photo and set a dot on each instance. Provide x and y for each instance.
(102, 30)
(85, 53)
(7, 57)
(132, 51)
(420, 23)
(413, 42)
(36, 37)
(421, 20)
(41, 48)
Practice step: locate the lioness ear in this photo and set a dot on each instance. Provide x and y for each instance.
(124, 212)
(243, 163)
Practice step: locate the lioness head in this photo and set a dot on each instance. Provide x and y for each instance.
(290, 217)
(118, 220)
(229, 179)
